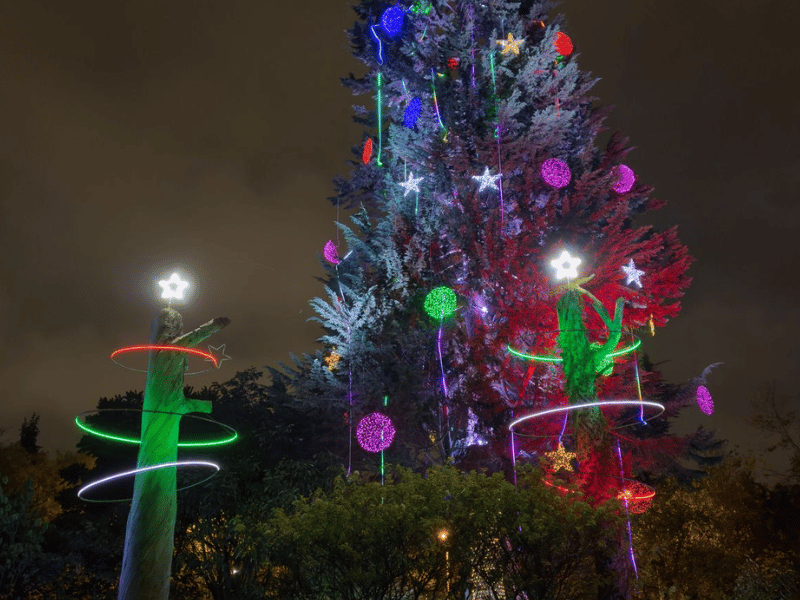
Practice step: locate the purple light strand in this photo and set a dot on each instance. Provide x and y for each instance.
(627, 514)
(563, 427)
(439, 346)
(638, 383)
(350, 414)
(513, 453)
(472, 40)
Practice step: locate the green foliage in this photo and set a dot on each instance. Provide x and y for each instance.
(438, 536)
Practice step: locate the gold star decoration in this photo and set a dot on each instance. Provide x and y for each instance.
(511, 45)
(332, 360)
(560, 459)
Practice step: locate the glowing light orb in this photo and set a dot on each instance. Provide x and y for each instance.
(441, 302)
(556, 173)
(625, 179)
(180, 463)
(174, 287)
(392, 21)
(375, 432)
(366, 154)
(330, 253)
(412, 113)
(704, 400)
(563, 44)
(566, 265)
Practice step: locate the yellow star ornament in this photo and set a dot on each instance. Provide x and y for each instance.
(332, 361)
(560, 459)
(510, 45)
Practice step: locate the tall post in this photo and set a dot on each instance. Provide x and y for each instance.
(150, 532)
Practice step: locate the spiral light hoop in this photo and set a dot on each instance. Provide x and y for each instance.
(180, 463)
(639, 495)
(597, 403)
(557, 359)
(233, 435)
(150, 347)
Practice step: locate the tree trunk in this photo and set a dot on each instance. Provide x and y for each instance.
(150, 533)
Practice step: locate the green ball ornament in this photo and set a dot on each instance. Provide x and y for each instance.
(441, 302)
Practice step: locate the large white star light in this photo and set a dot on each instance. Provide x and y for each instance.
(487, 180)
(411, 184)
(632, 274)
(174, 287)
(566, 265)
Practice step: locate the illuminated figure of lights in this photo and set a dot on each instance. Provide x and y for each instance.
(556, 173)
(375, 432)
(510, 45)
(632, 274)
(625, 179)
(411, 184)
(704, 400)
(180, 463)
(560, 458)
(566, 265)
(174, 287)
(487, 180)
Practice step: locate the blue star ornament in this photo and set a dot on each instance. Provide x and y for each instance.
(632, 274)
(487, 180)
(411, 184)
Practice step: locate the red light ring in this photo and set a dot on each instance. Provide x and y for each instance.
(637, 503)
(151, 347)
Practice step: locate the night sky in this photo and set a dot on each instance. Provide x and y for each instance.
(143, 137)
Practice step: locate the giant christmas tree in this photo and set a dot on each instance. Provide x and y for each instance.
(479, 173)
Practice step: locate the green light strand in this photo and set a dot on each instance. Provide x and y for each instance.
(558, 359)
(127, 440)
(380, 120)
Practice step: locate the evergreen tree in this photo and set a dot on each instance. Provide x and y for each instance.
(480, 167)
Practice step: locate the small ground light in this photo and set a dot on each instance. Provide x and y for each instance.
(443, 534)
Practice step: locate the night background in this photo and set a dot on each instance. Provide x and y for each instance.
(141, 138)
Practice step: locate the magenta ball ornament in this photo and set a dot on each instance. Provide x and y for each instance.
(624, 178)
(375, 432)
(556, 173)
(330, 253)
(704, 399)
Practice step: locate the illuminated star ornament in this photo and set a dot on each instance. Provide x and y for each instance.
(174, 287)
(566, 265)
(560, 458)
(632, 274)
(411, 184)
(218, 351)
(332, 360)
(510, 45)
(487, 180)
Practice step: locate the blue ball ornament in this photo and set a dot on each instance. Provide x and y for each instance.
(412, 113)
(392, 21)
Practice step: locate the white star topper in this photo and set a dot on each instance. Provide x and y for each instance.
(411, 184)
(571, 268)
(632, 274)
(487, 179)
(173, 287)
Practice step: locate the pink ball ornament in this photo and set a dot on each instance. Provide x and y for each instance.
(704, 400)
(330, 253)
(375, 432)
(556, 173)
(624, 179)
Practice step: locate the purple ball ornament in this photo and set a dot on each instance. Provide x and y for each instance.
(375, 432)
(704, 400)
(330, 253)
(556, 173)
(624, 179)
